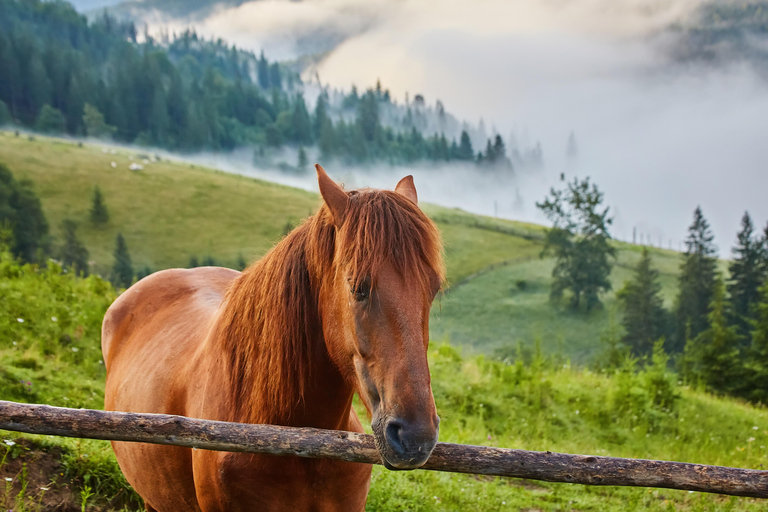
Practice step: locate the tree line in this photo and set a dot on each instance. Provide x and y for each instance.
(61, 74)
(717, 330)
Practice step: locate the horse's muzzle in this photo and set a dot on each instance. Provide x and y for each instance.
(404, 444)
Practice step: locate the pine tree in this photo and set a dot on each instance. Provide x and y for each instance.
(73, 253)
(20, 208)
(241, 263)
(122, 270)
(368, 116)
(5, 114)
(746, 277)
(301, 124)
(698, 274)
(275, 78)
(193, 263)
(99, 213)
(713, 357)
(327, 141)
(756, 362)
(465, 147)
(303, 161)
(262, 72)
(645, 319)
(144, 272)
(321, 115)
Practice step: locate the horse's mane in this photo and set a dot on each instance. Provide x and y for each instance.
(269, 324)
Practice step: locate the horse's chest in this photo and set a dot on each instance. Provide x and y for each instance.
(263, 483)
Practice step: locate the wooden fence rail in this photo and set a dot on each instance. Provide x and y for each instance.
(352, 447)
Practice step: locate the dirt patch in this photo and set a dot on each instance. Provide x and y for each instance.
(33, 480)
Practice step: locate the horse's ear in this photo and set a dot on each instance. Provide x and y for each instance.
(333, 195)
(406, 188)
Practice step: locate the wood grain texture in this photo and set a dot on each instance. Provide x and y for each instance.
(353, 447)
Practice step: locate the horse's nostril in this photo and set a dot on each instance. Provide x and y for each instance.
(394, 432)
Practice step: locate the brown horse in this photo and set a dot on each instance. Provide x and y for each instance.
(340, 305)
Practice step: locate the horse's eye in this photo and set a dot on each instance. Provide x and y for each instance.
(362, 291)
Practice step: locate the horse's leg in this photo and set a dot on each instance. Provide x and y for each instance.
(149, 509)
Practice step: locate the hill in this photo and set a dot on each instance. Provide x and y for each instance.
(498, 286)
(49, 353)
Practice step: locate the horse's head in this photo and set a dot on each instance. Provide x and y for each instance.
(387, 269)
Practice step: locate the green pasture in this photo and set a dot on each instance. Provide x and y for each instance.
(50, 353)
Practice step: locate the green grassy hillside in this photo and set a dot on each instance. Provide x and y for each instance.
(510, 304)
(170, 210)
(498, 284)
(49, 353)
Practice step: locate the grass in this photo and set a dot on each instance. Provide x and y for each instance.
(537, 403)
(510, 304)
(170, 210)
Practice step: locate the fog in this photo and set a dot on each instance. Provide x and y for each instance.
(658, 136)
(86, 5)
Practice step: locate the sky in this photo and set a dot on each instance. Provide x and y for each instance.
(658, 137)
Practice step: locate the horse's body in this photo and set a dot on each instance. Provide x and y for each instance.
(286, 342)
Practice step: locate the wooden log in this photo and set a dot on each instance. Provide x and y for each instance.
(353, 447)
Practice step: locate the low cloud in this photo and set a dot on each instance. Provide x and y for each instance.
(659, 136)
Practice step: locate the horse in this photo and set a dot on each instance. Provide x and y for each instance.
(340, 305)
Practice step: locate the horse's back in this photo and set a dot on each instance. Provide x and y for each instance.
(170, 296)
(151, 337)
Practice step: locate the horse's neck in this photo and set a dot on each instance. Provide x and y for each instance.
(268, 375)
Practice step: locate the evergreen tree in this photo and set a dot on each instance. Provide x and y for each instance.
(756, 362)
(275, 78)
(241, 263)
(490, 156)
(580, 241)
(21, 211)
(698, 274)
(645, 319)
(193, 263)
(321, 115)
(99, 213)
(764, 251)
(5, 114)
(327, 141)
(368, 116)
(73, 253)
(465, 147)
(746, 277)
(303, 161)
(144, 272)
(713, 357)
(122, 270)
(262, 72)
(208, 261)
(301, 124)
(94, 123)
(50, 120)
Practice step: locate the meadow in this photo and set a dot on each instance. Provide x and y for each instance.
(50, 353)
(542, 398)
(497, 289)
